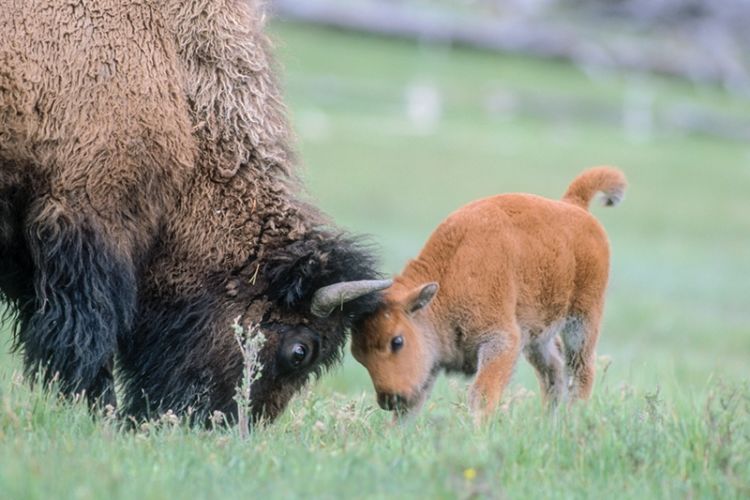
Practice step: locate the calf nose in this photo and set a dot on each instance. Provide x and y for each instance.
(390, 402)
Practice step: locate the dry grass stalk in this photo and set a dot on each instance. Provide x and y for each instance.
(251, 342)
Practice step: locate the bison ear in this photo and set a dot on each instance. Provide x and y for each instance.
(420, 297)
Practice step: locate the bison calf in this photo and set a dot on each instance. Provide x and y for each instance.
(516, 272)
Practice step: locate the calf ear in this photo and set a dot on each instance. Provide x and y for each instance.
(420, 297)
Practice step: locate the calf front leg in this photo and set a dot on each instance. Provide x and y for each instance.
(497, 358)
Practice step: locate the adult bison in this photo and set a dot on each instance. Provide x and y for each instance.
(148, 198)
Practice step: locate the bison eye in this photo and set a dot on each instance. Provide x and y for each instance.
(299, 349)
(297, 355)
(397, 343)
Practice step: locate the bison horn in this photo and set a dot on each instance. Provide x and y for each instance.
(328, 298)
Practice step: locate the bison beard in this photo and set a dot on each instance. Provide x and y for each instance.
(149, 197)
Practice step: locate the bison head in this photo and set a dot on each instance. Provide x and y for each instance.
(316, 289)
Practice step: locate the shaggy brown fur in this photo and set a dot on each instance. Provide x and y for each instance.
(149, 198)
(514, 271)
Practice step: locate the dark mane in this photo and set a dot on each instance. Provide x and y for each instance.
(295, 272)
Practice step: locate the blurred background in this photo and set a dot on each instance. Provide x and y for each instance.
(407, 109)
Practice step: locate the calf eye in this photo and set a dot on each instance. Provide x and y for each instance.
(397, 343)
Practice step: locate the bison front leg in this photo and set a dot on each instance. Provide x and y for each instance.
(85, 295)
(497, 358)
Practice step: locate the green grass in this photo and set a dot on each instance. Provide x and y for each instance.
(625, 443)
(671, 418)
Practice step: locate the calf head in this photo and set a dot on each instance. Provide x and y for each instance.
(398, 349)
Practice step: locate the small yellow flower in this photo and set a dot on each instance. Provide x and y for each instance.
(470, 473)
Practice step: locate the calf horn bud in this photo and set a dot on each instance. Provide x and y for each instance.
(328, 298)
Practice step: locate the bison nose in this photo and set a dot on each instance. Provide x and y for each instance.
(391, 402)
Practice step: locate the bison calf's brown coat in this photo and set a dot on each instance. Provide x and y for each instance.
(515, 273)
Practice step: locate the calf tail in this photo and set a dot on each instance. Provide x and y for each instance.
(607, 180)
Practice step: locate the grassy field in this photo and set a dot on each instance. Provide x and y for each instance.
(671, 411)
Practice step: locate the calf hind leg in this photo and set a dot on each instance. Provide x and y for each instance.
(545, 355)
(579, 336)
